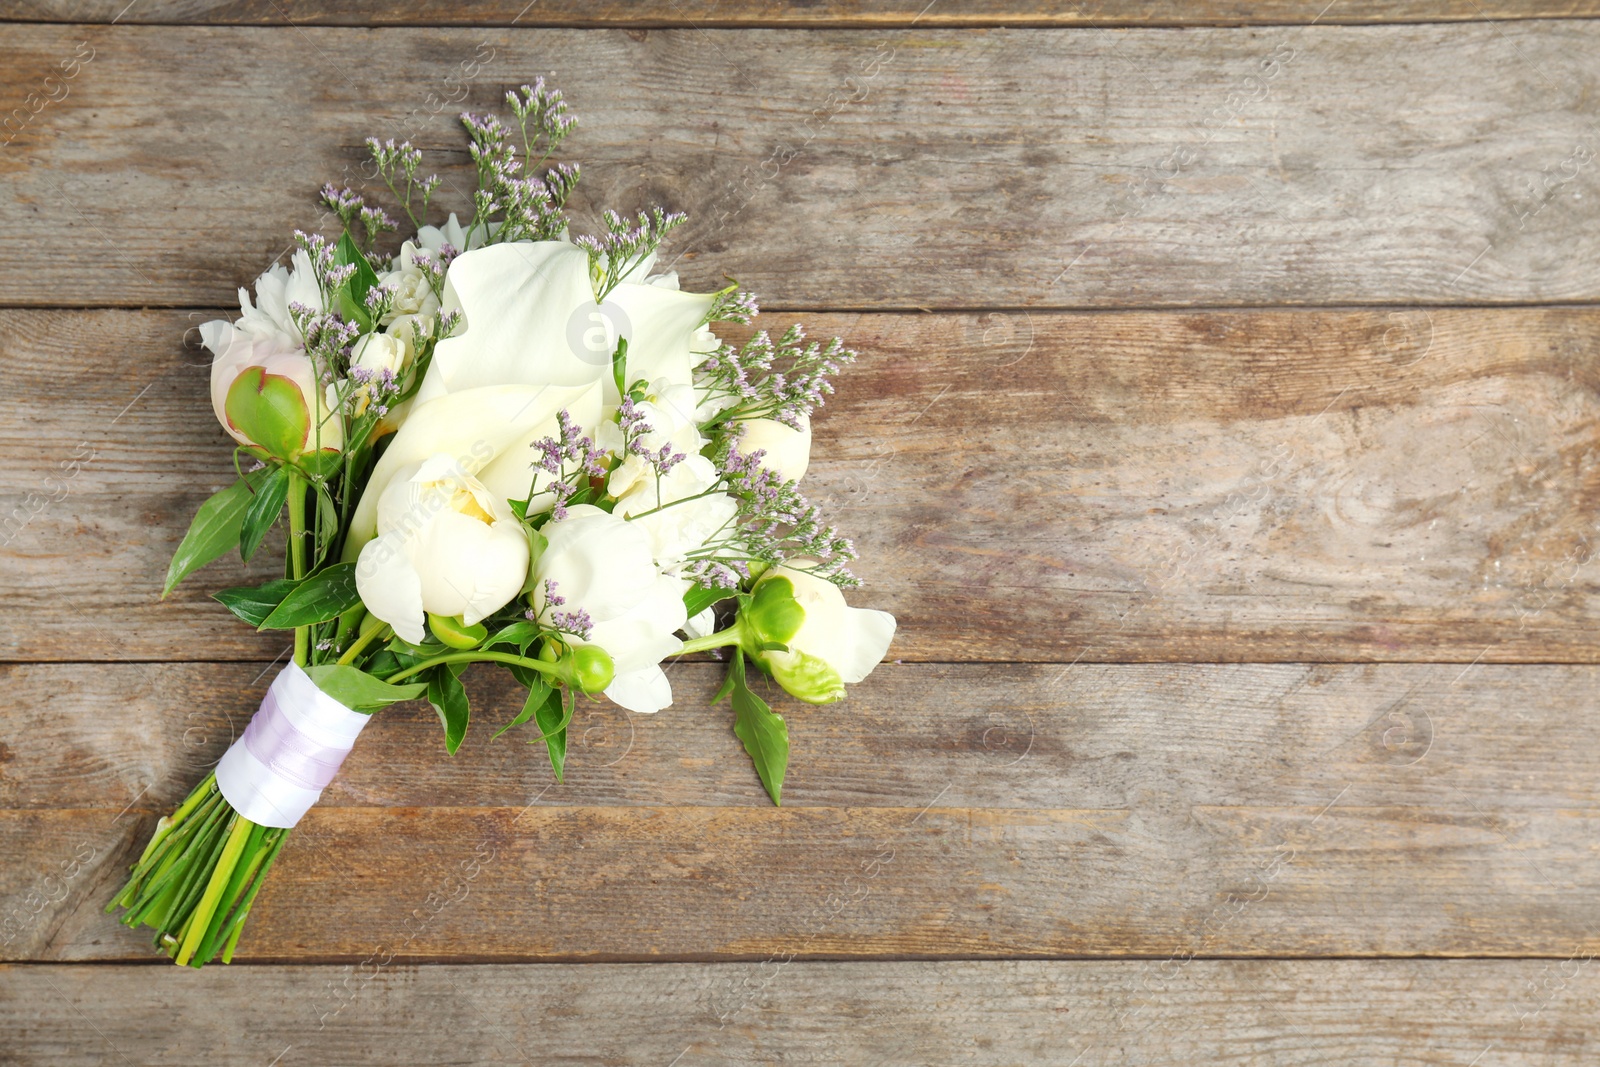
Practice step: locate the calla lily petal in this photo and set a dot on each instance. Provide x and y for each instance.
(475, 426)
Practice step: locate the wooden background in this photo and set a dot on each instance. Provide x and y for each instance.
(1226, 438)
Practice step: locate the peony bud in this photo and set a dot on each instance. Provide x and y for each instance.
(263, 390)
(828, 644)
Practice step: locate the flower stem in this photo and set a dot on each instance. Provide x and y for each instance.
(221, 875)
(720, 639)
(362, 642)
(297, 557)
(477, 657)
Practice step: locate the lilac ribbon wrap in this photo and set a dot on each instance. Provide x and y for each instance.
(289, 752)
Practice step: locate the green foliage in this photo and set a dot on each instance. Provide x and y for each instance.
(360, 691)
(763, 732)
(265, 507)
(449, 698)
(253, 603)
(322, 597)
(213, 531)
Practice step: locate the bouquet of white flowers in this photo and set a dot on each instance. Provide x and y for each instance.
(505, 445)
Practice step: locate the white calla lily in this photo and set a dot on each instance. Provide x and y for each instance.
(531, 318)
(446, 546)
(488, 430)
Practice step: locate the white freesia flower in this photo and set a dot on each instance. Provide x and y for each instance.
(412, 293)
(834, 644)
(788, 451)
(411, 331)
(433, 238)
(600, 564)
(445, 546)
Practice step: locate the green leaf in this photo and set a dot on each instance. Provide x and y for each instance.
(538, 692)
(699, 598)
(619, 366)
(522, 634)
(253, 603)
(552, 720)
(353, 293)
(358, 690)
(322, 597)
(214, 530)
(537, 543)
(763, 732)
(449, 699)
(263, 511)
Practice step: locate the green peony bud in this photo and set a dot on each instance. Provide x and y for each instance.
(772, 617)
(803, 676)
(270, 411)
(453, 632)
(589, 667)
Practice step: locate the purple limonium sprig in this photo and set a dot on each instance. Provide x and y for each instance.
(762, 379)
(569, 458)
(624, 245)
(775, 524)
(631, 421)
(576, 623)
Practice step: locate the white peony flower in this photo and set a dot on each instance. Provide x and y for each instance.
(445, 546)
(600, 565)
(488, 430)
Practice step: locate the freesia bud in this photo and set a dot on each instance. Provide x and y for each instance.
(829, 644)
(377, 352)
(788, 451)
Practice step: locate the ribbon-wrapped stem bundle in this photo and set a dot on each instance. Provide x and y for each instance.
(496, 443)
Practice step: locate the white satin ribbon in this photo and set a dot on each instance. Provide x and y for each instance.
(289, 752)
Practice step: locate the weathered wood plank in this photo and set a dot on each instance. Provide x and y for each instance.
(944, 811)
(925, 168)
(1287, 485)
(1425, 1013)
(976, 736)
(708, 14)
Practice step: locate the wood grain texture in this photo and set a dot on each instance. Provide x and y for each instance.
(834, 13)
(850, 169)
(1422, 1013)
(1247, 485)
(975, 811)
